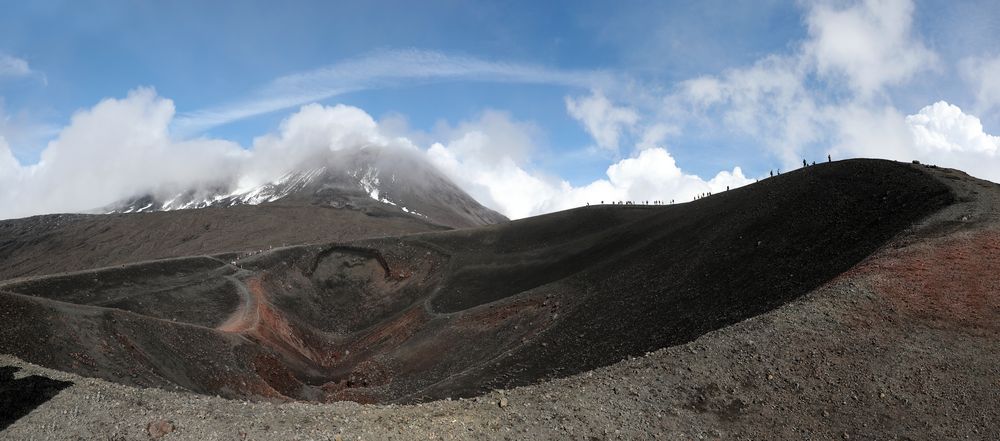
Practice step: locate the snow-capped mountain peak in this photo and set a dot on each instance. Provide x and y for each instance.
(371, 180)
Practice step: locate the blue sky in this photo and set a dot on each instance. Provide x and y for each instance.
(201, 54)
(715, 84)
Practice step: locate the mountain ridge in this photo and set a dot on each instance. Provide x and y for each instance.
(389, 318)
(353, 178)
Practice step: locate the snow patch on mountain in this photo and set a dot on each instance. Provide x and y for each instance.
(367, 180)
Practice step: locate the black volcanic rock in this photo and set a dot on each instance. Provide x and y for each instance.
(456, 313)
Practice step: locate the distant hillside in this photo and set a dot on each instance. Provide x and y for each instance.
(355, 194)
(391, 178)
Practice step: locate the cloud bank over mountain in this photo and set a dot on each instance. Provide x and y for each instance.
(124, 147)
(858, 83)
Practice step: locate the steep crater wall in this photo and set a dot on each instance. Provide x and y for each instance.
(456, 313)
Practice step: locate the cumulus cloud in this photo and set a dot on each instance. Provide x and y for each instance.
(604, 121)
(833, 93)
(510, 186)
(309, 135)
(768, 101)
(944, 134)
(870, 43)
(943, 127)
(124, 147)
(829, 93)
(940, 133)
(114, 150)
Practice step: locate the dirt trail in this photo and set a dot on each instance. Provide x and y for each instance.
(903, 346)
(856, 359)
(248, 314)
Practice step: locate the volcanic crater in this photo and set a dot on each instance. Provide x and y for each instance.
(425, 314)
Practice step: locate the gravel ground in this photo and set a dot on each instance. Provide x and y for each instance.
(847, 361)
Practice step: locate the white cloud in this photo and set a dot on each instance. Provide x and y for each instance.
(943, 127)
(493, 137)
(945, 135)
(870, 43)
(13, 67)
(984, 75)
(869, 131)
(827, 94)
(604, 121)
(124, 147)
(940, 133)
(21, 130)
(474, 159)
(118, 148)
(501, 185)
(377, 70)
(654, 135)
(307, 135)
(768, 101)
(10, 172)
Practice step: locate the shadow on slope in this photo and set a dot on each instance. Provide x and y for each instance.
(456, 313)
(18, 397)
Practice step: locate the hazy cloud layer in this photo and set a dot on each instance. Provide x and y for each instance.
(383, 69)
(508, 184)
(603, 121)
(116, 149)
(124, 147)
(869, 44)
(983, 74)
(832, 93)
(13, 67)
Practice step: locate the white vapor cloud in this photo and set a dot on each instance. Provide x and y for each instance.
(830, 94)
(473, 158)
(116, 149)
(382, 69)
(983, 74)
(604, 121)
(940, 133)
(22, 130)
(833, 92)
(943, 127)
(11, 66)
(870, 43)
(768, 101)
(122, 148)
(944, 134)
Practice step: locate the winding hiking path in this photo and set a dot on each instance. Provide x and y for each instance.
(247, 316)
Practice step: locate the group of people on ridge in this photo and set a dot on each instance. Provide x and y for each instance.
(771, 173)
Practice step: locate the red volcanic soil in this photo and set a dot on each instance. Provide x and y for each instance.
(952, 282)
(456, 313)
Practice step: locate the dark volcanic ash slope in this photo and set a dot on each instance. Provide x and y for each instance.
(456, 313)
(348, 195)
(68, 242)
